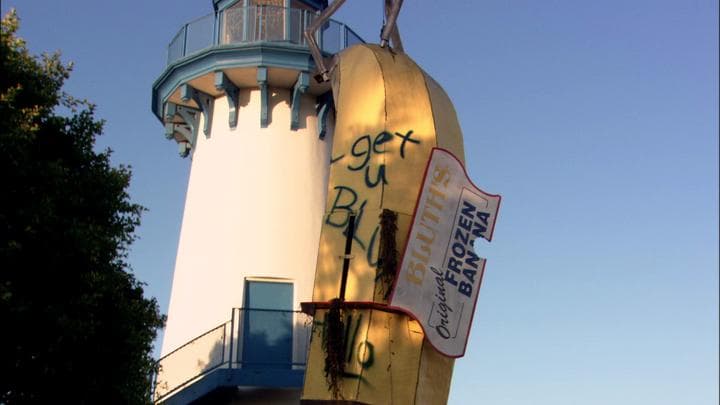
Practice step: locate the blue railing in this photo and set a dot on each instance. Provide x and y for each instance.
(252, 340)
(247, 24)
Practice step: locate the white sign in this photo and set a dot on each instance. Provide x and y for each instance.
(440, 273)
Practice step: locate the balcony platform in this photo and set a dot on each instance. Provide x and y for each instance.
(255, 349)
(230, 379)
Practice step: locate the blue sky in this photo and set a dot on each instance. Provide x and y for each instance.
(596, 121)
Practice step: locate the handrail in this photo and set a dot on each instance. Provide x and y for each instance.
(260, 23)
(235, 345)
(193, 339)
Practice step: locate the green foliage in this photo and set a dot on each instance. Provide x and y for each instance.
(76, 327)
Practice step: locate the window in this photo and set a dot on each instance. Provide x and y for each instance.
(268, 324)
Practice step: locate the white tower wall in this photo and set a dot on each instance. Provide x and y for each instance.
(254, 208)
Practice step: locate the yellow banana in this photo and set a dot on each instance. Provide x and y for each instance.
(389, 116)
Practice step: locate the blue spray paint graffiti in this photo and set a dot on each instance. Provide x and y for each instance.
(374, 175)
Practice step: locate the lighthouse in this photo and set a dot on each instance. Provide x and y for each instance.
(238, 98)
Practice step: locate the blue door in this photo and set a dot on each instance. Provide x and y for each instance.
(268, 326)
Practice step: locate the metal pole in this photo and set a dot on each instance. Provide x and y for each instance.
(216, 28)
(343, 37)
(390, 27)
(347, 257)
(232, 335)
(309, 33)
(184, 40)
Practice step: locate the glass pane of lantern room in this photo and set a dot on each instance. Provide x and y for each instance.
(268, 331)
(270, 22)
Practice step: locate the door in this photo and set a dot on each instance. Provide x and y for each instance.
(268, 330)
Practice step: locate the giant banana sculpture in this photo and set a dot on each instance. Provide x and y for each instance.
(389, 116)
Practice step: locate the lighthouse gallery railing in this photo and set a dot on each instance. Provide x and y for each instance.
(248, 24)
(252, 339)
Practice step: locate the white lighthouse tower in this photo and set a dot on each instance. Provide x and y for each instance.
(238, 97)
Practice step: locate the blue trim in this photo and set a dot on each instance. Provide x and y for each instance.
(169, 131)
(232, 336)
(344, 36)
(225, 57)
(216, 27)
(223, 83)
(184, 149)
(300, 87)
(190, 116)
(170, 111)
(223, 377)
(190, 121)
(262, 83)
(188, 130)
(205, 101)
(184, 52)
(325, 104)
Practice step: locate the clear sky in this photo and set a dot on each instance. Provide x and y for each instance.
(597, 121)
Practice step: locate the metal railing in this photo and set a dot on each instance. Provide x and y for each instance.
(252, 339)
(247, 24)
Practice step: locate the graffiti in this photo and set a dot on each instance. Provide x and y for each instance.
(365, 354)
(358, 353)
(406, 138)
(347, 200)
(345, 203)
(363, 149)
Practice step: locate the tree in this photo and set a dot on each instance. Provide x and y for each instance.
(76, 327)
